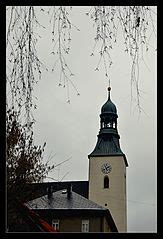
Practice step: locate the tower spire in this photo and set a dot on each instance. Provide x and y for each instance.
(108, 137)
(109, 89)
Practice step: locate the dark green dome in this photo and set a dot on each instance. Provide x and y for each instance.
(109, 106)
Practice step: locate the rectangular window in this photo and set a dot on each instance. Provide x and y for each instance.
(55, 224)
(85, 226)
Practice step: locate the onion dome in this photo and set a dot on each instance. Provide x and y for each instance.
(109, 106)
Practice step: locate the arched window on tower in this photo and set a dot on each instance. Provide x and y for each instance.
(106, 182)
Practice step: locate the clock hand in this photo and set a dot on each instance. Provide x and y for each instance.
(107, 167)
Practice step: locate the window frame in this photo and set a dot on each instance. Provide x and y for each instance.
(55, 224)
(85, 225)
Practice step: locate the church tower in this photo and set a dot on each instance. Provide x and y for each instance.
(107, 167)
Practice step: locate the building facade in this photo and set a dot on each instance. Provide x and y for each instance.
(68, 211)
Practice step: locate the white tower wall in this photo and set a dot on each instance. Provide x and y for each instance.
(115, 195)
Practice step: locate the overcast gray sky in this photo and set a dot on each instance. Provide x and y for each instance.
(70, 130)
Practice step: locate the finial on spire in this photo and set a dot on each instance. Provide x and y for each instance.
(109, 89)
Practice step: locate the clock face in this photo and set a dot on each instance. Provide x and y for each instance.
(106, 168)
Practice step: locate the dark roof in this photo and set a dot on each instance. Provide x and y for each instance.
(59, 200)
(76, 205)
(106, 147)
(108, 138)
(109, 107)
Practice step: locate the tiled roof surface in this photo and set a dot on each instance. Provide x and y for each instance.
(59, 200)
(106, 147)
